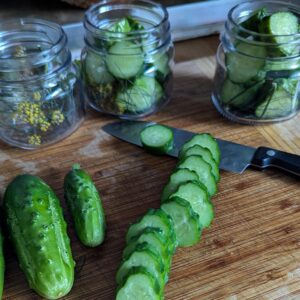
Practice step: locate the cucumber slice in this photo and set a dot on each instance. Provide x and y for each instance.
(186, 221)
(154, 238)
(244, 99)
(95, 69)
(205, 140)
(178, 177)
(203, 169)
(155, 218)
(282, 26)
(142, 256)
(157, 139)
(124, 59)
(230, 90)
(290, 85)
(245, 63)
(206, 155)
(139, 284)
(279, 104)
(144, 93)
(196, 194)
(253, 21)
(161, 63)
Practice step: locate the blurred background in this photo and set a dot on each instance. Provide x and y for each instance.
(56, 10)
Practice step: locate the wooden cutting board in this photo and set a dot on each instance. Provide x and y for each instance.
(252, 250)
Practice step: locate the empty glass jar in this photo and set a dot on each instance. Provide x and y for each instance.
(257, 75)
(40, 97)
(128, 58)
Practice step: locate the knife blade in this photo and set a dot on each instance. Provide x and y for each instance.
(235, 157)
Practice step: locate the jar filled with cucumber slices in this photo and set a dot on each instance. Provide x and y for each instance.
(128, 58)
(40, 97)
(258, 63)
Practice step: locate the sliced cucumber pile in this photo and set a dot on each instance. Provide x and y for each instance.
(129, 75)
(157, 138)
(268, 53)
(186, 209)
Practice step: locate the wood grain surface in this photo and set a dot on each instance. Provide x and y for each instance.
(252, 250)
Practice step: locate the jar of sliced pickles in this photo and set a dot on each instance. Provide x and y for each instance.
(258, 63)
(128, 58)
(40, 99)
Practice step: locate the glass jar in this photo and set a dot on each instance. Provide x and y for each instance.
(257, 74)
(128, 59)
(40, 97)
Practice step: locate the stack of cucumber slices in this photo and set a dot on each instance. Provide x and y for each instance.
(186, 209)
(263, 68)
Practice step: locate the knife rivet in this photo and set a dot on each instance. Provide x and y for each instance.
(271, 153)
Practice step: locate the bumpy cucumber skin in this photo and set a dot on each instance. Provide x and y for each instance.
(39, 235)
(2, 265)
(86, 207)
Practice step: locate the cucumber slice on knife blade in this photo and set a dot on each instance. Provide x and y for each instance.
(157, 139)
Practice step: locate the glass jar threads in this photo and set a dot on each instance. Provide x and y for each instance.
(258, 63)
(40, 98)
(128, 58)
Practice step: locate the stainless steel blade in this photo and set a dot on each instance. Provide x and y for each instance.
(234, 157)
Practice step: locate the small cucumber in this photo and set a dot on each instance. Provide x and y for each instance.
(206, 155)
(142, 256)
(179, 176)
(155, 218)
(205, 140)
(85, 206)
(157, 139)
(139, 284)
(186, 221)
(196, 194)
(124, 59)
(39, 235)
(2, 265)
(203, 169)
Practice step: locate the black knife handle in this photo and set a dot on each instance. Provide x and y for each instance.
(268, 157)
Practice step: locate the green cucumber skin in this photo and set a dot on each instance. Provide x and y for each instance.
(39, 234)
(2, 265)
(86, 207)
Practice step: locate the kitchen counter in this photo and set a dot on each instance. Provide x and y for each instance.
(251, 251)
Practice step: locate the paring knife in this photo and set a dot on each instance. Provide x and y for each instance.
(234, 157)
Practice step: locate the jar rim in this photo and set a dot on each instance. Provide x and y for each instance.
(56, 45)
(89, 24)
(262, 3)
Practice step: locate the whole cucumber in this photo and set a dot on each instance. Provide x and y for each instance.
(2, 265)
(86, 207)
(39, 235)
